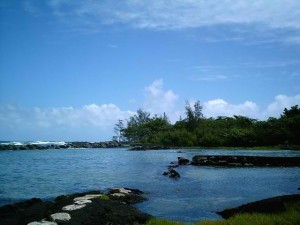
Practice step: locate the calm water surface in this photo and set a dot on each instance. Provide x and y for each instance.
(195, 196)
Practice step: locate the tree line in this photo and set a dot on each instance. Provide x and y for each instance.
(196, 130)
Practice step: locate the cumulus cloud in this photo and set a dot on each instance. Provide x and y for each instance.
(158, 101)
(281, 101)
(219, 107)
(93, 116)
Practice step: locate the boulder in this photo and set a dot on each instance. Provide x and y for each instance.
(183, 161)
(172, 174)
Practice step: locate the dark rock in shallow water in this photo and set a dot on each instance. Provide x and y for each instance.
(183, 161)
(150, 147)
(270, 205)
(172, 174)
(238, 161)
(88, 208)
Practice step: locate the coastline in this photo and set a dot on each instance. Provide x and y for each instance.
(115, 207)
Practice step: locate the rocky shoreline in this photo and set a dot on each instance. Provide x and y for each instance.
(67, 145)
(231, 161)
(113, 208)
(90, 208)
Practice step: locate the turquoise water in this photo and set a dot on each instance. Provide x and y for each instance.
(196, 195)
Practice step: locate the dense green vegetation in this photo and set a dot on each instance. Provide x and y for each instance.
(290, 217)
(196, 130)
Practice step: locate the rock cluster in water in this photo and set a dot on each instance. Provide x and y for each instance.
(106, 144)
(86, 208)
(239, 161)
(172, 173)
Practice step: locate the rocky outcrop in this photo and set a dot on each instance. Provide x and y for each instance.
(270, 205)
(85, 208)
(127, 195)
(239, 161)
(76, 145)
(183, 161)
(150, 147)
(172, 174)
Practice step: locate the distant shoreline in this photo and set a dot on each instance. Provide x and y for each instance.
(116, 144)
(66, 145)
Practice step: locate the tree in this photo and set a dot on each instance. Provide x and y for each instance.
(136, 131)
(119, 128)
(198, 111)
(193, 116)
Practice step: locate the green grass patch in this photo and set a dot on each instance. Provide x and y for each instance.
(290, 217)
(163, 222)
(104, 197)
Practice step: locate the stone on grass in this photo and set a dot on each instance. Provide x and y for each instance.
(42, 223)
(87, 197)
(82, 202)
(61, 217)
(118, 194)
(73, 207)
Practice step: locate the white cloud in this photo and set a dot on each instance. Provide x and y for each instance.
(177, 14)
(93, 116)
(247, 18)
(219, 107)
(281, 101)
(158, 101)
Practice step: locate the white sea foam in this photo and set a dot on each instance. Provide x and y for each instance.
(47, 143)
(33, 143)
(11, 143)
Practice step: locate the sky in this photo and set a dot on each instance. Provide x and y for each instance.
(70, 69)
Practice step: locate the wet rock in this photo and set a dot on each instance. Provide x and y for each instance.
(183, 161)
(172, 174)
(238, 161)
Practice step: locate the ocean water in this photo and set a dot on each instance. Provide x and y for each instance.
(195, 196)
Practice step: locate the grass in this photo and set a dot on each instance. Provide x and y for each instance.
(104, 197)
(290, 217)
(237, 148)
(163, 222)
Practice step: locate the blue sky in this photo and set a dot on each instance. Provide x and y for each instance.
(70, 69)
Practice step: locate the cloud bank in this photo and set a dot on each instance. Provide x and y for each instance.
(241, 15)
(90, 122)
